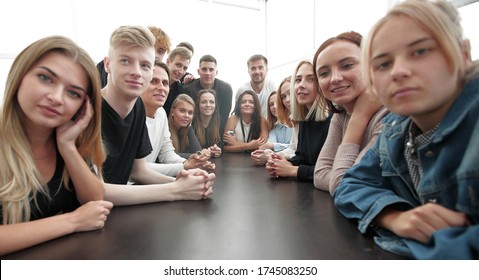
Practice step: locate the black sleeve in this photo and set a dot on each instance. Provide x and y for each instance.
(144, 148)
(305, 173)
(193, 143)
(175, 89)
(225, 97)
(103, 74)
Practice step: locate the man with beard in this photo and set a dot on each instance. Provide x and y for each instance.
(257, 70)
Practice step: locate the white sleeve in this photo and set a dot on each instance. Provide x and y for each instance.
(169, 161)
(291, 150)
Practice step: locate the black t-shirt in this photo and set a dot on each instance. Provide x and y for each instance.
(61, 200)
(125, 140)
(103, 74)
(175, 89)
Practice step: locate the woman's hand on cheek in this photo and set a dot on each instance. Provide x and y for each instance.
(69, 131)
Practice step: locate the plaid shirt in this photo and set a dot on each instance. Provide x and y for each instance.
(414, 140)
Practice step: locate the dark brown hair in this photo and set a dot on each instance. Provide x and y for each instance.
(256, 118)
(211, 135)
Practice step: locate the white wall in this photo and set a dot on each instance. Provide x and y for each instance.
(296, 34)
(286, 31)
(230, 33)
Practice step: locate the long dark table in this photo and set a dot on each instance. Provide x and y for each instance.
(249, 216)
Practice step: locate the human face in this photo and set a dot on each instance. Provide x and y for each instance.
(160, 51)
(305, 87)
(52, 91)
(339, 73)
(410, 72)
(272, 105)
(247, 104)
(207, 104)
(178, 67)
(257, 71)
(207, 72)
(182, 114)
(285, 94)
(131, 69)
(155, 96)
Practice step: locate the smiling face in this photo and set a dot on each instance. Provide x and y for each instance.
(410, 72)
(207, 104)
(178, 67)
(339, 73)
(257, 71)
(130, 69)
(247, 104)
(182, 114)
(305, 88)
(155, 96)
(52, 91)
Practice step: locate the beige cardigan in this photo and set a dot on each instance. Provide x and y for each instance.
(336, 158)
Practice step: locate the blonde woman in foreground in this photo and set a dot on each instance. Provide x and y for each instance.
(413, 188)
(51, 150)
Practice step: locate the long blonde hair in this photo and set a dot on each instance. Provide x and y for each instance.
(179, 137)
(20, 180)
(300, 112)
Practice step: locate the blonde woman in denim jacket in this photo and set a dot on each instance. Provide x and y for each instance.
(406, 187)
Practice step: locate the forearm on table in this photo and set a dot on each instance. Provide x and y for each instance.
(88, 186)
(23, 235)
(139, 194)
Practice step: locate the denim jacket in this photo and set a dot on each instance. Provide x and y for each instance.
(450, 178)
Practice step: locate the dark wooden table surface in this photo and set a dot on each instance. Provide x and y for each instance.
(249, 216)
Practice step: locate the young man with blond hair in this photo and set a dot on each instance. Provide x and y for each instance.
(162, 47)
(129, 65)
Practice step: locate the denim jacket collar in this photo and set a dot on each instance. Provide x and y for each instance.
(455, 115)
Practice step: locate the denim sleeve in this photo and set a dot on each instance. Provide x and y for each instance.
(278, 147)
(272, 136)
(363, 192)
(455, 243)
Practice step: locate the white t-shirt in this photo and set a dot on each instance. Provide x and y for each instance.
(239, 132)
(160, 138)
(291, 150)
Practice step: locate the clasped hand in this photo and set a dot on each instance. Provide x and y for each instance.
(195, 183)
